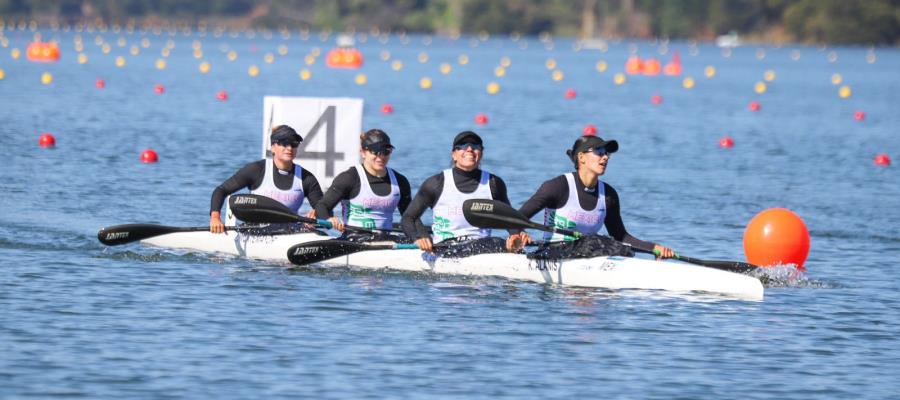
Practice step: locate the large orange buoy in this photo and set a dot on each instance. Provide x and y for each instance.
(633, 65)
(342, 57)
(776, 236)
(651, 67)
(43, 52)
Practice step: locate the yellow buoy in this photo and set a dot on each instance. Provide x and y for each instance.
(282, 50)
(836, 79)
(305, 74)
(309, 59)
(759, 87)
(204, 67)
(709, 71)
(135, 50)
(47, 78)
(769, 75)
(269, 57)
(423, 57)
(688, 83)
(121, 42)
(145, 43)
(165, 52)
(602, 66)
(557, 75)
(82, 58)
(196, 45)
(463, 59)
(232, 55)
(844, 92)
(385, 55)
(396, 65)
(446, 68)
(253, 71)
(505, 62)
(550, 63)
(425, 83)
(493, 88)
(2, 74)
(500, 72)
(160, 64)
(198, 54)
(105, 48)
(15, 53)
(79, 47)
(98, 40)
(361, 79)
(120, 61)
(619, 78)
(315, 51)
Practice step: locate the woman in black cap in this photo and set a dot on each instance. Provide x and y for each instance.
(280, 179)
(369, 192)
(445, 192)
(579, 201)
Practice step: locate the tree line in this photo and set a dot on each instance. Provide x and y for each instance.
(808, 21)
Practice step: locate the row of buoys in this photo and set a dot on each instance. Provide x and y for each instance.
(652, 67)
(344, 58)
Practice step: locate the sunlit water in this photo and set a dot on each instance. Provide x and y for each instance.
(81, 320)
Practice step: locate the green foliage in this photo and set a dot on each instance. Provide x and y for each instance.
(822, 21)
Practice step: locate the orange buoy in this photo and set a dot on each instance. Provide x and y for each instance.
(43, 52)
(656, 99)
(859, 115)
(651, 67)
(882, 160)
(387, 108)
(673, 68)
(222, 95)
(47, 140)
(726, 142)
(776, 236)
(633, 65)
(571, 93)
(159, 89)
(343, 57)
(755, 106)
(589, 130)
(149, 156)
(481, 119)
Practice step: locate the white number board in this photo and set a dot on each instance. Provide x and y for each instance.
(330, 128)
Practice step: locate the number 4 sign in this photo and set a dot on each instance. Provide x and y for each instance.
(330, 128)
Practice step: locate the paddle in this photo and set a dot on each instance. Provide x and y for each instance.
(127, 233)
(321, 250)
(485, 213)
(262, 209)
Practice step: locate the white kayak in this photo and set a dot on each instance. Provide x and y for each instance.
(600, 272)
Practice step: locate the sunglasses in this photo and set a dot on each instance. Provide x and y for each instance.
(288, 144)
(381, 152)
(463, 146)
(599, 151)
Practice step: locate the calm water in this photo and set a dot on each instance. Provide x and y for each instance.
(82, 320)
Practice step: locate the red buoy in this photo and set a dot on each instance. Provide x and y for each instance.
(149, 156)
(47, 140)
(100, 84)
(159, 89)
(656, 99)
(726, 142)
(222, 95)
(571, 93)
(859, 115)
(481, 119)
(776, 236)
(387, 108)
(755, 106)
(882, 160)
(589, 130)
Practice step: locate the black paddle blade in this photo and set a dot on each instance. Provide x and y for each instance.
(321, 250)
(486, 213)
(121, 234)
(261, 209)
(731, 266)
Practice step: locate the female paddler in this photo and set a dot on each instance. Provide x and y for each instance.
(445, 192)
(579, 201)
(369, 192)
(280, 179)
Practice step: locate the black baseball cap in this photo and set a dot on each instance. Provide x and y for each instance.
(285, 135)
(376, 140)
(467, 137)
(588, 142)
